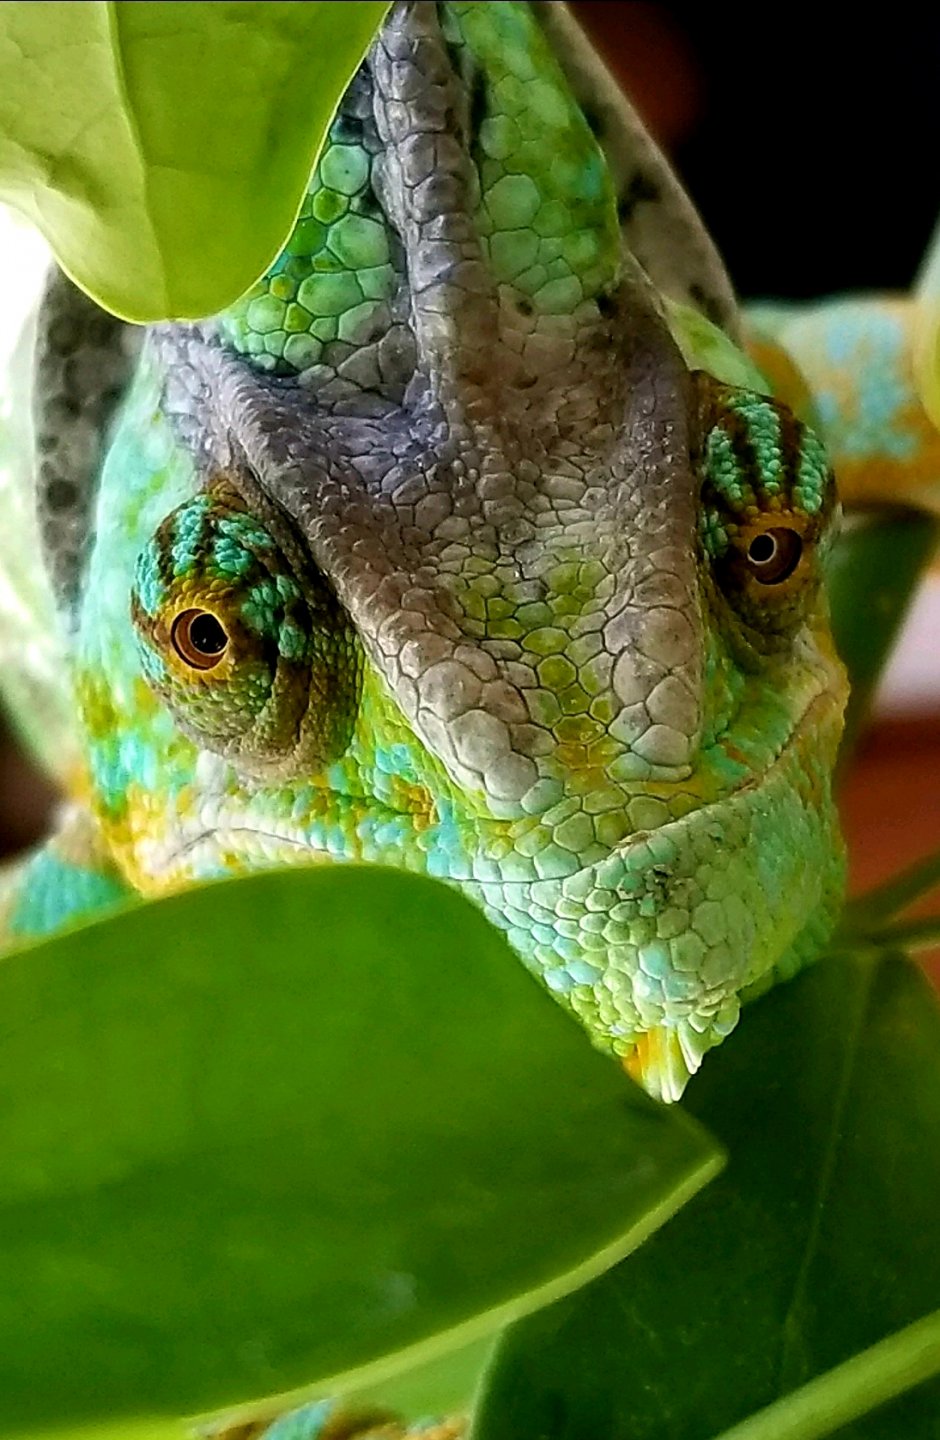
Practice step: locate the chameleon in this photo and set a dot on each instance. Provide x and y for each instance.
(436, 550)
(472, 540)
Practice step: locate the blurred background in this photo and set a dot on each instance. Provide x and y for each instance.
(809, 145)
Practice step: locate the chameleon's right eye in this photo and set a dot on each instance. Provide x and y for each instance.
(255, 660)
(199, 638)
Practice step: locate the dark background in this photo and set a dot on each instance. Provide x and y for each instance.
(809, 137)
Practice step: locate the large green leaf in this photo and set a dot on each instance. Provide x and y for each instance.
(164, 149)
(280, 1130)
(818, 1243)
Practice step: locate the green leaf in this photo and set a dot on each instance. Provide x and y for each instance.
(818, 1243)
(304, 1129)
(164, 149)
(873, 574)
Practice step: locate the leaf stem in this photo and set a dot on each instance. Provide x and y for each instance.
(888, 900)
(886, 1370)
(910, 936)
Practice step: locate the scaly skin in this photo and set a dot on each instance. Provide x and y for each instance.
(466, 542)
(476, 538)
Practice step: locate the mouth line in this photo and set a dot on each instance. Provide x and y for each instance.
(820, 702)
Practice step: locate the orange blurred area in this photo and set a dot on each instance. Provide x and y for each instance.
(890, 805)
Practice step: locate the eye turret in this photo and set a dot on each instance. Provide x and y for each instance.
(252, 653)
(767, 506)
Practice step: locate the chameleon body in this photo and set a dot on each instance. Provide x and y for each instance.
(440, 550)
(469, 541)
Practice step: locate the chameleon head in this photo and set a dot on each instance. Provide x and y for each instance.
(439, 554)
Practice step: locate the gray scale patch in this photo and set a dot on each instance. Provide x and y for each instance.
(83, 360)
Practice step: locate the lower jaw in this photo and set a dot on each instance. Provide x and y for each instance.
(661, 948)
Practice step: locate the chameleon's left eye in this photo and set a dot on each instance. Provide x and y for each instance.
(199, 639)
(773, 555)
(248, 647)
(767, 504)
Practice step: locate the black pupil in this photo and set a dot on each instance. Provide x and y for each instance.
(207, 636)
(762, 549)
